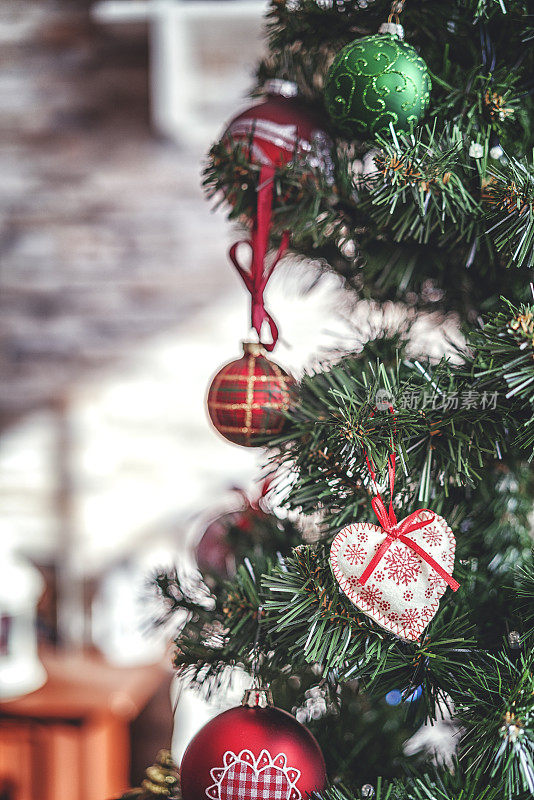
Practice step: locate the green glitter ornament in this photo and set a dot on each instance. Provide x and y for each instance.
(376, 81)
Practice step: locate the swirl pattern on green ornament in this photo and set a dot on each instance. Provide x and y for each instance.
(374, 81)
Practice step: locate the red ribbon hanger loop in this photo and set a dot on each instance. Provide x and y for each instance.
(395, 530)
(257, 276)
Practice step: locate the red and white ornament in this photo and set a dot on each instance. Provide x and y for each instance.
(214, 552)
(402, 592)
(278, 127)
(254, 752)
(216, 549)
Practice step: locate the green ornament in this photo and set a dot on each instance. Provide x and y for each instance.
(374, 81)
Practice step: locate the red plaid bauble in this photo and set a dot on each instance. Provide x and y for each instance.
(247, 397)
(278, 127)
(255, 752)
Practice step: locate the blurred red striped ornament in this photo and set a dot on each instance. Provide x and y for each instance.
(247, 397)
(280, 126)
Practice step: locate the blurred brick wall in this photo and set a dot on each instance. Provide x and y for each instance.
(102, 226)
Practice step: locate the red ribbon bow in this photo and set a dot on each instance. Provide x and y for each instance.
(255, 279)
(395, 530)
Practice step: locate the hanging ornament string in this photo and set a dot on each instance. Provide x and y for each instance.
(393, 25)
(392, 528)
(395, 11)
(257, 276)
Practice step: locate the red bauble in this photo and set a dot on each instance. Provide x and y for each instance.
(214, 552)
(247, 397)
(252, 753)
(278, 126)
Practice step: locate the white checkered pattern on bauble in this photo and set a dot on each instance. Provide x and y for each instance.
(241, 782)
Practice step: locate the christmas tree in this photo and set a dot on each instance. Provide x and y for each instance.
(410, 176)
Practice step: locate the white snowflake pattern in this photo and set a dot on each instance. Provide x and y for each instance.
(402, 566)
(355, 554)
(431, 536)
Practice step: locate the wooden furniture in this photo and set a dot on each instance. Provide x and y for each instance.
(70, 739)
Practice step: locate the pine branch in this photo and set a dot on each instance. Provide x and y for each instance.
(422, 187)
(220, 629)
(384, 791)
(411, 231)
(525, 594)
(313, 619)
(505, 352)
(455, 784)
(452, 423)
(479, 100)
(439, 784)
(332, 426)
(509, 195)
(498, 712)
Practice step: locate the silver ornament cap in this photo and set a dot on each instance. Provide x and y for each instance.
(281, 88)
(393, 28)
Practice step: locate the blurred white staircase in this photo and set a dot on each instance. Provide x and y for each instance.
(202, 53)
